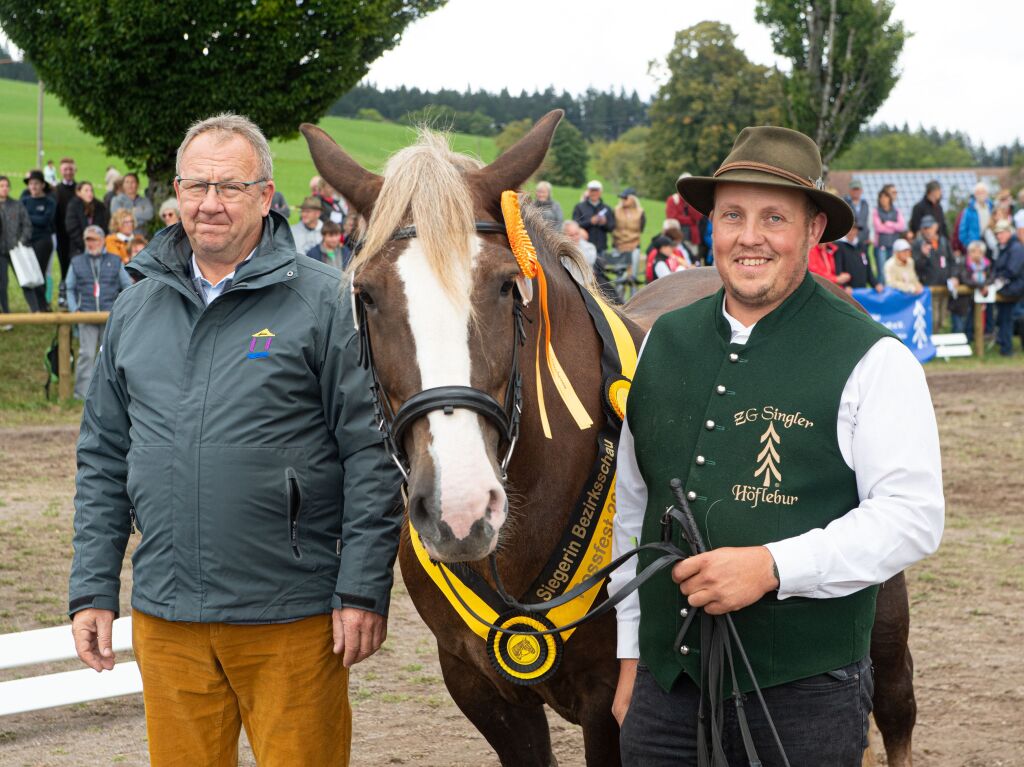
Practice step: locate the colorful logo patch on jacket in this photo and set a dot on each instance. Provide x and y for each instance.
(259, 346)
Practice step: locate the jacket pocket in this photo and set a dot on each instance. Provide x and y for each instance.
(293, 495)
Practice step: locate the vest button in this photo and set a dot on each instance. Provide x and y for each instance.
(700, 460)
(720, 389)
(683, 613)
(691, 496)
(709, 425)
(734, 357)
(684, 650)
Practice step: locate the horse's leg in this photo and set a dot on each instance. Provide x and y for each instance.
(518, 733)
(894, 704)
(600, 733)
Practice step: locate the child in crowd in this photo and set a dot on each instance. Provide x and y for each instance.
(329, 250)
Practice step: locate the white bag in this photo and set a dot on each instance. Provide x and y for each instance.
(26, 267)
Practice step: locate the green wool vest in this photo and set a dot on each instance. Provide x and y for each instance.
(751, 432)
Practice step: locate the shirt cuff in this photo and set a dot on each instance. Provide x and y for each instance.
(628, 643)
(800, 573)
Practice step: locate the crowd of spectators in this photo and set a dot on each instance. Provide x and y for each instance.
(983, 249)
(52, 216)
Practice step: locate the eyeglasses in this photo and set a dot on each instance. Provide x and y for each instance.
(194, 189)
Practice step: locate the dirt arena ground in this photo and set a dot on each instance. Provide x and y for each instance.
(967, 630)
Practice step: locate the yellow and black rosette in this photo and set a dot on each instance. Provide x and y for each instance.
(616, 393)
(523, 658)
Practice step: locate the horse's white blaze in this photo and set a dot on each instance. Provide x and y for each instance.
(464, 480)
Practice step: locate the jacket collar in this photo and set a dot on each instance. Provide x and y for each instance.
(168, 258)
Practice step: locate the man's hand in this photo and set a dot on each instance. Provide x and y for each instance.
(879, 287)
(624, 689)
(727, 579)
(843, 277)
(92, 630)
(358, 634)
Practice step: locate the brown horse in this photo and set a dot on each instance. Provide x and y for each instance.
(440, 307)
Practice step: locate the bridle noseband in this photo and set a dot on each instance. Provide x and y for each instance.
(394, 425)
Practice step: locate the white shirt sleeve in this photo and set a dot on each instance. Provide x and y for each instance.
(661, 269)
(888, 436)
(630, 506)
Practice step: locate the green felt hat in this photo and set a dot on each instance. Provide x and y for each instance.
(770, 156)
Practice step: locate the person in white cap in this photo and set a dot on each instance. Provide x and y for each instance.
(900, 273)
(595, 217)
(95, 278)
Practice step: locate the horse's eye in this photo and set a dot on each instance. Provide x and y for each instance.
(506, 287)
(366, 298)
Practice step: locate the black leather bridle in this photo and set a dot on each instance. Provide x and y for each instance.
(394, 425)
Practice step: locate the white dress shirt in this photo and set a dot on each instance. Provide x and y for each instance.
(887, 435)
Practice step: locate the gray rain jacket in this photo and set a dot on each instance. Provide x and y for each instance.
(239, 438)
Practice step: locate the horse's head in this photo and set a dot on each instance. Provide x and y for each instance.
(439, 306)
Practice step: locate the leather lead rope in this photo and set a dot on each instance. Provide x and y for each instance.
(719, 638)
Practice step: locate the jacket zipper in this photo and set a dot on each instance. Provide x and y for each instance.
(294, 508)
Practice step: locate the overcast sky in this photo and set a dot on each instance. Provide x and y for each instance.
(961, 70)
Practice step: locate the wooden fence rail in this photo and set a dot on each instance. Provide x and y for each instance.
(979, 315)
(63, 321)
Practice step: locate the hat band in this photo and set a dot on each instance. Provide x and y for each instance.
(773, 170)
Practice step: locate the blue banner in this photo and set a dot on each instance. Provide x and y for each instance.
(906, 315)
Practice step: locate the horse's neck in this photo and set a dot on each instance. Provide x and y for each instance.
(546, 475)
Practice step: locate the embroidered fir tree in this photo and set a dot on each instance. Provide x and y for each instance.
(769, 456)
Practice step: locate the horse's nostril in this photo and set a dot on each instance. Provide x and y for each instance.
(496, 507)
(495, 504)
(420, 516)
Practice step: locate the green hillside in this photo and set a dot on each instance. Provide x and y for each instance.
(368, 142)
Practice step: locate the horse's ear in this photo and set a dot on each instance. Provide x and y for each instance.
(358, 185)
(518, 163)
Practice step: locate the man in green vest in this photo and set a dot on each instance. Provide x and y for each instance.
(805, 439)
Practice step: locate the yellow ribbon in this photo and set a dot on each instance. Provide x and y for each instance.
(526, 257)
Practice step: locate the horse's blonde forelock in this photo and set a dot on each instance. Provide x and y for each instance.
(425, 181)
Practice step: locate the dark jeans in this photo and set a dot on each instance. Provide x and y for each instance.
(822, 721)
(5, 274)
(43, 248)
(1004, 328)
(964, 323)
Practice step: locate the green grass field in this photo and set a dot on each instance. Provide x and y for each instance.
(371, 143)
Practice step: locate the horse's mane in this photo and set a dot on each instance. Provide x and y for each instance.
(426, 180)
(556, 246)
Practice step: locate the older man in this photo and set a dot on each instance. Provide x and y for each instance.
(307, 233)
(933, 260)
(595, 217)
(230, 424)
(1009, 276)
(810, 483)
(95, 278)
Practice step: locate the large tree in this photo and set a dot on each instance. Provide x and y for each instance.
(844, 56)
(137, 73)
(712, 92)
